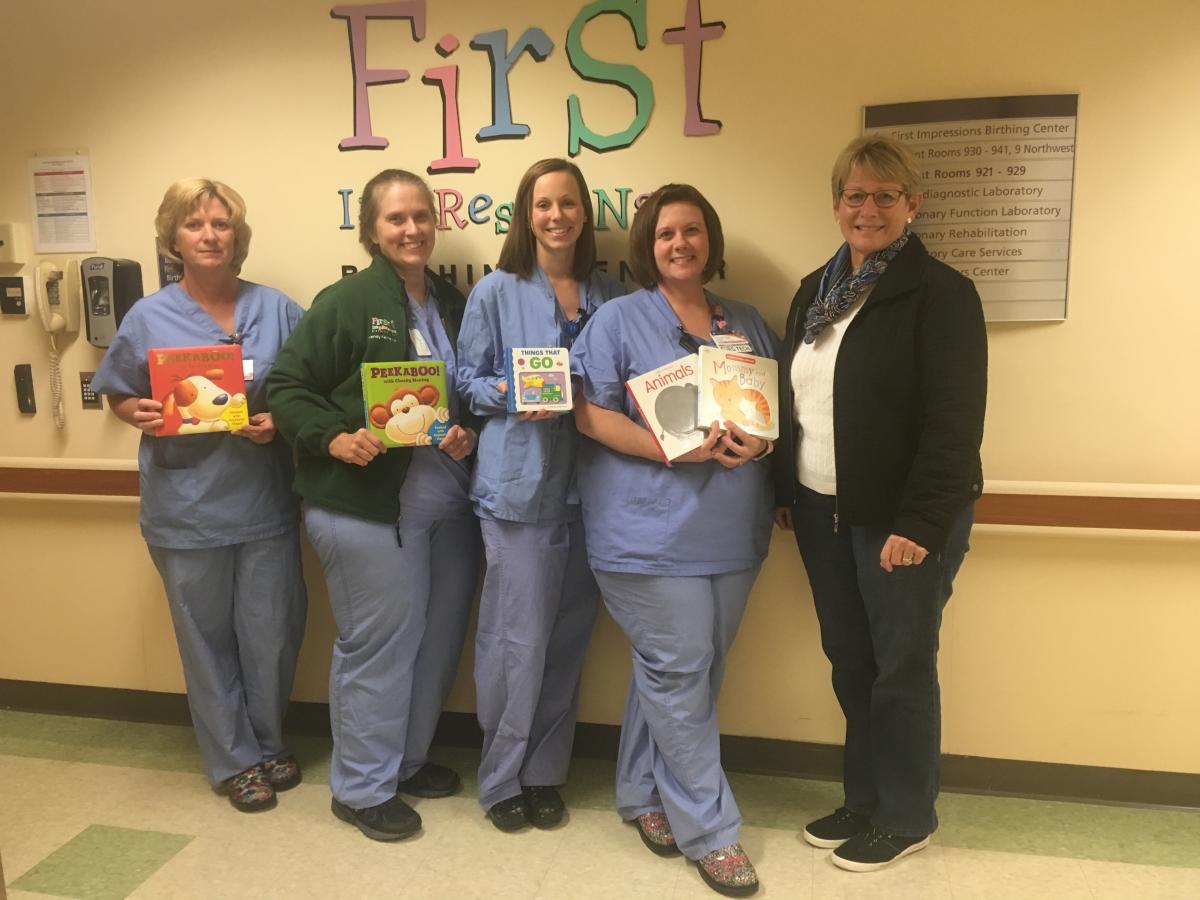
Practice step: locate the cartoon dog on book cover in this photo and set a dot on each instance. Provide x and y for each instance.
(200, 404)
(409, 415)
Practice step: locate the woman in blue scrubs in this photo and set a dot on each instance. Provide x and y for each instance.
(217, 510)
(539, 598)
(393, 528)
(675, 548)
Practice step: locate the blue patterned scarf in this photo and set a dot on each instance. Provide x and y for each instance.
(840, 288)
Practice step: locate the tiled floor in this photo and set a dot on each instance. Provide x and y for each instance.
(98, 809)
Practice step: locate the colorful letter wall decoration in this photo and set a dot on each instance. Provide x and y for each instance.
(690, 37)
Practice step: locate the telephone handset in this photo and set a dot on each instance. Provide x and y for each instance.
(57, 294)
(58, 301)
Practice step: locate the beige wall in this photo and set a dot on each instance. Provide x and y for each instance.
(1060, 647)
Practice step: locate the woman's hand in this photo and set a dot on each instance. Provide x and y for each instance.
(535, 415)
(140, 412)
(261, 429)
(736, 447)
(458, 442)
(706, 451)
(900, 551)
(357, 449)
(783, 518)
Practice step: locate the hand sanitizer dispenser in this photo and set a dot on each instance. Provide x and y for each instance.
(110, 287)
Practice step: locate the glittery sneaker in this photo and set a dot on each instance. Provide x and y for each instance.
(874, 849)
(729, 871)
(249, 791)
(283, 772)
(836, 828)
(544, 805)
(655, 832)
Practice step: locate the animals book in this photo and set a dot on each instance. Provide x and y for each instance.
(406, 403)
(539, 378)
(666, 399)
(201, 389)
(739, 388)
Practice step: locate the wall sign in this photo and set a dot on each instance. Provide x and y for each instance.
(999, 176)
(533, 42)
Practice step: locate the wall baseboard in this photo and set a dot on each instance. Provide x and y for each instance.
(753, 755)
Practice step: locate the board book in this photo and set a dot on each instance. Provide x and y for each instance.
(406, 403)
(539, 378)
(201, 389)
(739, 388)
(666, 399)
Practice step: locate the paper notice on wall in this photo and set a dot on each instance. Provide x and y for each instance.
(61, 193)
(999, 176)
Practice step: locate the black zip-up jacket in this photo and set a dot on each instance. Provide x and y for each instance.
(909, 388)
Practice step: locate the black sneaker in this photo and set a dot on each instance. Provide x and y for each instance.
(431, 781)
(836, 828)
(874, 849)
(545, 806)
(510, 814)
(391, 820)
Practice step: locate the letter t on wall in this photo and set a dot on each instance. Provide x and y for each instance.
(356, 21)
(692, 36)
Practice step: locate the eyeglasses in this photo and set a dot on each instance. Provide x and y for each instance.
(883, 199)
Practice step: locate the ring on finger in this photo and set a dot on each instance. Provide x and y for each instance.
(907, 560)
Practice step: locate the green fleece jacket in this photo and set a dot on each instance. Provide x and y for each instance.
(314, 390)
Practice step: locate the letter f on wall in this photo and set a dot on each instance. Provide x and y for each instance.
(356, 21)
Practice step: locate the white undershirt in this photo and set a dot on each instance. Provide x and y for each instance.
(812, 387)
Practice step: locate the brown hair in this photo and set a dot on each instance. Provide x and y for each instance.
(519, 253)
(645, 223)
(183, 197)
(368, 209)
(884, 157)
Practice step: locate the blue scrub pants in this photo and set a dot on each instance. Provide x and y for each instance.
(880, 632)
(401, 614)
(680, 629)
(239, 617)
(536, 612)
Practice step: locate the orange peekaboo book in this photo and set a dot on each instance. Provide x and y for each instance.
(201, 389)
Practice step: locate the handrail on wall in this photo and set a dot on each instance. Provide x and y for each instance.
(1054, 510)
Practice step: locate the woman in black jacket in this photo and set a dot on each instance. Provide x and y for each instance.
(884, 368)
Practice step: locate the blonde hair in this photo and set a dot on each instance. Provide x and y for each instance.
(368, 210)
(884, 157)
(181, 200)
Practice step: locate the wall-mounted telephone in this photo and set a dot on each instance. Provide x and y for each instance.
(57, 295)
(58, 302)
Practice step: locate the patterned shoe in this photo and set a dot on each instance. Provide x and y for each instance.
(249, 791)
(544, 806)
(655, 832)
(283, 772)
(729, 871)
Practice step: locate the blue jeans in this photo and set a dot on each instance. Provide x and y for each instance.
(880, 632)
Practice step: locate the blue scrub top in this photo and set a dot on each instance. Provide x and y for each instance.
(435, 485)
(207, 490)
(524, 471)
(641, 516)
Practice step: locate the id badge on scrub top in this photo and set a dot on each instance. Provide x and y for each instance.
(418, 343)
(247, 370)
(735, 342)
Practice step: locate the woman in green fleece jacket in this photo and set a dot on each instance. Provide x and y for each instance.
(393, 527)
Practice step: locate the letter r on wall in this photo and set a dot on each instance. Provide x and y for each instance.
(356, 17)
